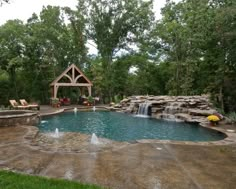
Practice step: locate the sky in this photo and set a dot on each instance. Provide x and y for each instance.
(23, 9)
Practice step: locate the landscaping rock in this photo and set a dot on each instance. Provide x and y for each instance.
(124, 100)
(185, 108)
(200, 112)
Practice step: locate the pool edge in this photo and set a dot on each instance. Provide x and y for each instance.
(229, 139)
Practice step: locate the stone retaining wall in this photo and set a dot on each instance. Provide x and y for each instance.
(18, 117)
(180, 108)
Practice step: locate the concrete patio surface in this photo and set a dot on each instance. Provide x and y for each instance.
(122, 165)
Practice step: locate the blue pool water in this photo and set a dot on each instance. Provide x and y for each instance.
(123, 127)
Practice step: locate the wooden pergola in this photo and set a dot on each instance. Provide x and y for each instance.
(71, 77)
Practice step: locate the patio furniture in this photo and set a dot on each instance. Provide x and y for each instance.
(15, 105)
(30, 106)
(65, 101)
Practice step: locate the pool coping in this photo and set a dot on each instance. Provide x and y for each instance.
(229, 139)
(9, 118)
(24, 113)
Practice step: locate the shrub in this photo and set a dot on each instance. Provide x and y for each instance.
(117, 99)
(55, 102)
(90, 99)
(232, 116)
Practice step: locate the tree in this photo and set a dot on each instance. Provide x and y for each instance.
(113, 25)
(198, 40)
(12, 50)
(222, 53)
(181, 32)
(51, 47)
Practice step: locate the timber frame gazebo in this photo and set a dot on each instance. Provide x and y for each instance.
(71, 77)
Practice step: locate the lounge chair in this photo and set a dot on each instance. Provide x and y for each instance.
(15, 105)
(31, 106)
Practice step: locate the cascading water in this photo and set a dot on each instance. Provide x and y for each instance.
(170, 110)
(173, 108)
(75, 110)
(94, 108)
(143, 110)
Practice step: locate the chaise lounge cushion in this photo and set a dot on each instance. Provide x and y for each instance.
(15, 105)
(65, 101)
(25, 103)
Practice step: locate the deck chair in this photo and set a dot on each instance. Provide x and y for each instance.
(31, 106)
(15, 105)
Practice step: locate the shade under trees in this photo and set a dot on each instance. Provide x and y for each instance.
(189, 51)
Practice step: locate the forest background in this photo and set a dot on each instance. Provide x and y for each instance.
(189, 51)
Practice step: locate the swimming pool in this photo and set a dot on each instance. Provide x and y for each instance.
(125, 127)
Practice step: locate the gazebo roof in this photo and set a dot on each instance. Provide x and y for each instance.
(72, 74)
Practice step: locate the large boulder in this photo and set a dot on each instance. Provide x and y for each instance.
(124, 100)
(185, 108)
(199, 112)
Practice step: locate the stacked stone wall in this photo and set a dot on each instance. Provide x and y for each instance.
(180, 108)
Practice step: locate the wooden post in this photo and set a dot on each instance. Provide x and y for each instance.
(73, 73)
(55, 91)
(89, 91)
(52, 91)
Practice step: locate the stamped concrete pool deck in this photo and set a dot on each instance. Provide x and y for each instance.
(122, 165)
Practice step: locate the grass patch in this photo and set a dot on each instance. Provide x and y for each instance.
(10, 180)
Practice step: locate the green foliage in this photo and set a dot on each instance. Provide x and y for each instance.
(54, 101)
(90, 100)
(113, 25)
(189, 51)
(197, 38)
(232, 116)
(20, 181)
(117, 99)
(5, 85)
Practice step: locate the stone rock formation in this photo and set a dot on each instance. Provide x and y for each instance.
(178, 108)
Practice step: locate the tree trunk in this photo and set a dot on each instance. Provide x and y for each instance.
(221, 98)
(107, 61)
